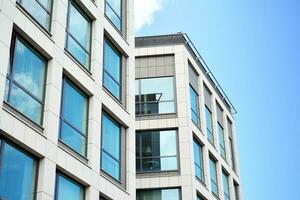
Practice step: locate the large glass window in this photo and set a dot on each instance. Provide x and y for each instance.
(155, 96)
(213, 176)
(225, 186)
(194, 106)
(112, 69)
(198, 160)
(209, 126)
(159, 194)
(113, 10)
(156, 151)
(78, 35)
(18, 173)
(68, 189)
(40, 10)
(111, 147)
(221, 141)
(73, 130)
(26, 81)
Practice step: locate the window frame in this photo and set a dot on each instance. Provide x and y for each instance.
(222, 148)
(139, 136)
(69, 34)
(107, 153)
(50, 13)
(10, 77)
(110, 44)
(22, 150)
(214, 161)
(200, 146)
(208, 131)
(66, 80)
(123, 2)
(197, 112)
(140, 102)
(138, 191)
(225, 174)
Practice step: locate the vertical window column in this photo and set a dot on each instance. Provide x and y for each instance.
(194, 99)
(208, 116)
(198, 160)
(231, 144)
(221, 131)
(213, 176)
(225, 185)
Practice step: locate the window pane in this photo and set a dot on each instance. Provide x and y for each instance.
(78, 52)
(213, 176)
(67, 189)
(113, 12)
(209, 128)
(74, 107)
(110, 166)
(198, 161)
(73, 138)
(158, 107)
(225, 186)
(38, 12)
(112, 85)
(158, 194)
(194, 106)
(29, 70)
(221, 141)
(18, 174)
(159, 164)
(27, 105)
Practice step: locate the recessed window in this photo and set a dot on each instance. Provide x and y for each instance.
(221, 141)
(111, 147)
(67, 188)
(213, 176)
(225, 186)
(209, 126)
(156, 151)
(18, 172)
(78, 39)
(25, 83)
(155, 96)
(40, 10)
(159, 194)
(194, 106)
(198, 160)
(113, 10)
(73, 130)
(231, 144)
(236, 190)
(112, 70)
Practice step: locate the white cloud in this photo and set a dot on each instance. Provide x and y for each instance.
(145, 11)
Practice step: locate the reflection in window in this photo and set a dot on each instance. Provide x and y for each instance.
(17, 174)
(73, 130)
(155, 96)
(221, 141)
(111, 147)
(112, 70)
(40, 10)
(213, 176)
(198, 161)
(113, 10)
(78, 35)
(194, 106)
(225, 186)
(25, 82)
(158, 194)
(156, 151)
(209, 126)
(68, 189)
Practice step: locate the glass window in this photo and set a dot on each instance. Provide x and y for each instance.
(18, 173)
(111, 147)
(209, 125)
(225, 186)
(156, 151)
(113, 10)
(198, 159)
(26, 82)
(155, 96)
(194, 106)
(213, 176)
(158, 194)
(232, 154)
(78, 35)
(221, 141)
(112, 69)
(68, 189)
(73, 130)
(40, 10)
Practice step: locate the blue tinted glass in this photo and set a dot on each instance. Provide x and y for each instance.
(73, 138)
(110, 166)
(115, 5)
(213, 176)
(78, 52)
(17, 174)
(112, 86)
(225, 185)
(67, 189)
(29, 70)
(24, 103)
(198, 160)
(74, 107)
(159, 194)
(221, 141)
(208, 119)
(38, 12)
(113, 16)
(194, 106)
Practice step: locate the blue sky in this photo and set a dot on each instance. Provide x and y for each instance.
(253, 49)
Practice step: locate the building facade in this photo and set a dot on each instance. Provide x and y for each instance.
(67, 116)
(185, 135)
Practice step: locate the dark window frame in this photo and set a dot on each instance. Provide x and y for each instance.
(222, 148)
(10, 77)
(120, 17)
(211, 159)
(62, 120)
(208, 131)
(202, 179)
(195, 112)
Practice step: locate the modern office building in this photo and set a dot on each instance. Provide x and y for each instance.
(67, 116)
(185, 135)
